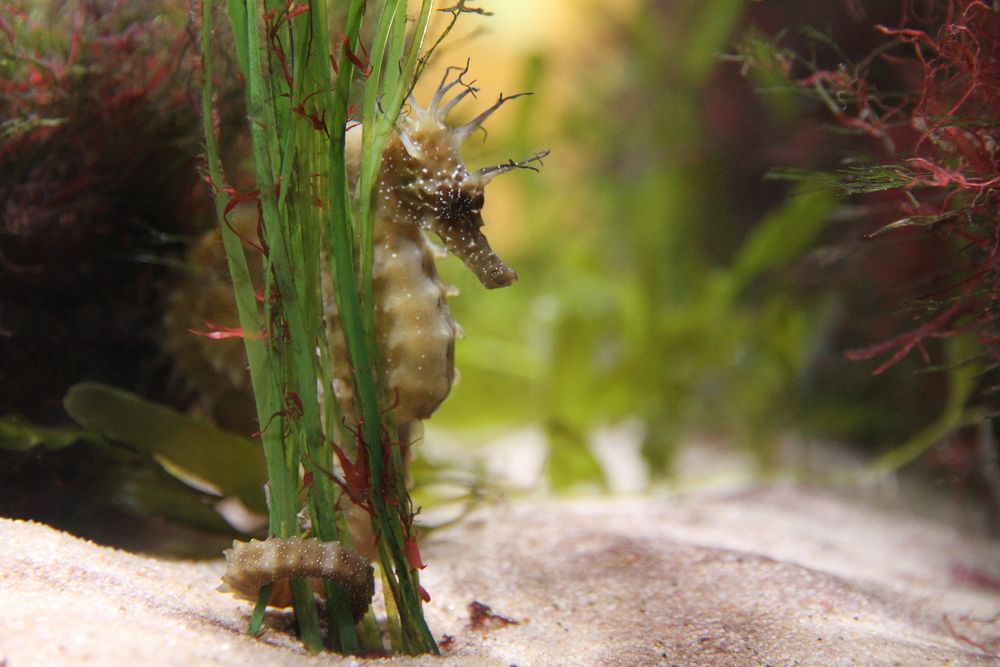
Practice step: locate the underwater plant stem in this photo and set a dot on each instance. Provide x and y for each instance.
(361, 345)
(957, 413)
(257, 617)
(393, 81)
(288, 365)
(268, 402)
(297, 163)
(266, 370)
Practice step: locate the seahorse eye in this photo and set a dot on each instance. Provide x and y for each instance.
(455, 205)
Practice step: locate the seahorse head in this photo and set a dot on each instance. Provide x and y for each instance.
(424, 181)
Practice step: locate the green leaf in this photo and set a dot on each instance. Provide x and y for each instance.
(570, 461)
(963, 377)
(193, 451)
(785, 234)
(706, 35)
(147, 491)
(19, 435)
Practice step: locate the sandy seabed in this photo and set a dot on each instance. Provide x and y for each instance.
(775, 576)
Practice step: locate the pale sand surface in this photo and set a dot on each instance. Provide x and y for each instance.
(768, 576)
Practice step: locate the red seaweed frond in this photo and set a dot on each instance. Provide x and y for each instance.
(940, 137)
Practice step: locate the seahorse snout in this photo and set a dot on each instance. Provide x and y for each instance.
(466, 240)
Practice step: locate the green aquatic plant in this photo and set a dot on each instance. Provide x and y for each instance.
(139, 459)
(658, 300)
(922, 115)
(297, 100)
(349, 300)
(99, 147)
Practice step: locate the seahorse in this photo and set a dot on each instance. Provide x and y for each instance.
(423, 186)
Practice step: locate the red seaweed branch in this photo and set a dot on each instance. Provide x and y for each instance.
(939, 142)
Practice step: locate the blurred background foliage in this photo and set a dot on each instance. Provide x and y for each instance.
(664, 277)
(636, 307)
(665, 282)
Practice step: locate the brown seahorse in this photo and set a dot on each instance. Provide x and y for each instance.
(423, 187)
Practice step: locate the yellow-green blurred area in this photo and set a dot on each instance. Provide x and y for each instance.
(665, 283)
(669, 294)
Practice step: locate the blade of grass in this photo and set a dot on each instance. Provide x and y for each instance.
(265, 377)
(340, 242)
(246, 302)
(257, 618)
(293, 152)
